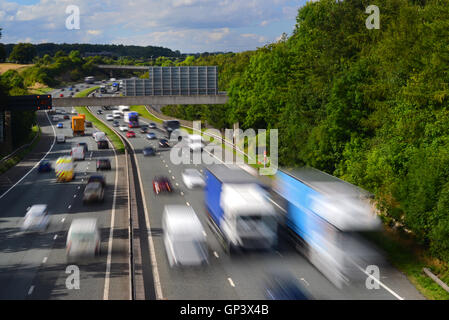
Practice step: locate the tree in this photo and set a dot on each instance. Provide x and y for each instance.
(23, 53)
(2, 53)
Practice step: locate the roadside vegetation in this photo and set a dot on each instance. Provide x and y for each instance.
(113, 137)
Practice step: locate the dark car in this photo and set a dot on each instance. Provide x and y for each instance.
(88, 124)
(115, 123)
(161, 184)
(103, 164)
(44, 166)
(62, 89)
(149, 151)
(66, 117)
(77, 90)
(143, 129)
(97, 178)
(84, 145)
(99, 111)
(94, 192)
(152, 125)
(102, 144)
(72, 93)
(163, 143)
(284, 286)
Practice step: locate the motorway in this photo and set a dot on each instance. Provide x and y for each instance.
(34, 265)
(243, 276)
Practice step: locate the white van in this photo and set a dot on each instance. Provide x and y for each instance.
(184, 236)
(99, 136)
(77, 153)
(116, 114)
(55, 118)
(60, 138)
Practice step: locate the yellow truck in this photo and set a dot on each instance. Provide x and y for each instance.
(78, 125)
(64, 169)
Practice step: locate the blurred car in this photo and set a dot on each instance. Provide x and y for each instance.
(149, 151)
(36, 218)
(77, 90)
(97, 178)
(184, 236)
(88, 124)
(123, 128)
(193, 178)
(60, 138)
(161, 184)
(143, 129)
(94, 191)
(284, 286)
(66, 117)
(151, 136)
(109, 117)
(44, 166)
(115, 123)
(70, 88)
(61, 95)
(83, 239)
(103, 164)
(60, 125)
(103, 144)
(99, 111)
(72, 93)
(130, 134)
(163, 143)
(84, 145)
(62, 89)
(152, 125)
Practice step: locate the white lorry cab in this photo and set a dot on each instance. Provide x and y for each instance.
(77, 153)
(99, 136)
(123, 109)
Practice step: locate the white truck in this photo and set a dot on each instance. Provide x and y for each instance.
(122, 109)
(238, 209)
(99, 136)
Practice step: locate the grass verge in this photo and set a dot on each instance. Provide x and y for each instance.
(113, 137)
(11, 162)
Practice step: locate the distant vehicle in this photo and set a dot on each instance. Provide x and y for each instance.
(238, 209)
(123, 109)
(152, 125)
(61, 95)
(103, 144)
(106, 108)
(162, 184)
(64, 169)
(116, 114)
(89, 80)
(193, 178)
(99, 136)
(77, 153)
(143, 129)
(88, 124)
(70, 88)
(149, 151)
(103, 89)
(163, 143)
(60, 138)
(115, 123)
(112, 79)
(62, 89)
(123, 128)
(72, 93)
(170, 126)
(85, 146)
(78, 123)
(103, 164)
(131, 118)
(130, 134)
(99, 111)
(97, 178)
(83, 239)
(36, 218)
(151, 136)
(195, 142)
(284, 286)
(109, 117)
(60, 125)
(184, 237)
(44, 166)
(55, 118)
(94, 191)
(66, 117)
(74, 111)
(77, 90)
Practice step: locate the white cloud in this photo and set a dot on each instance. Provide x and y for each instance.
(94, 32)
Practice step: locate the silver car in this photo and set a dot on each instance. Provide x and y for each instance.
(193, 178)
(36, 218)
(94, 191)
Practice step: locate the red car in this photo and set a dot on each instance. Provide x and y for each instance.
(61, 95)
(130, 134)
(162, 184)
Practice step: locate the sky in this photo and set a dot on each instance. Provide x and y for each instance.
(189, 26)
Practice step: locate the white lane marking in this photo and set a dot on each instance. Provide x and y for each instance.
(166, 166)
(169, 171)
(188, 204)
(177, 184)
(173, 177)
(37, 163)
(204, 233)
(383, 285)
(216, 254)
(69, 206)
(302, 279)
(231, 282)
(63, 219)
(45, 260)
(111, 234)
(55, 237)
(74, 195)
(79, 187)
(31, 290)
(277, 205)
(182, 193)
